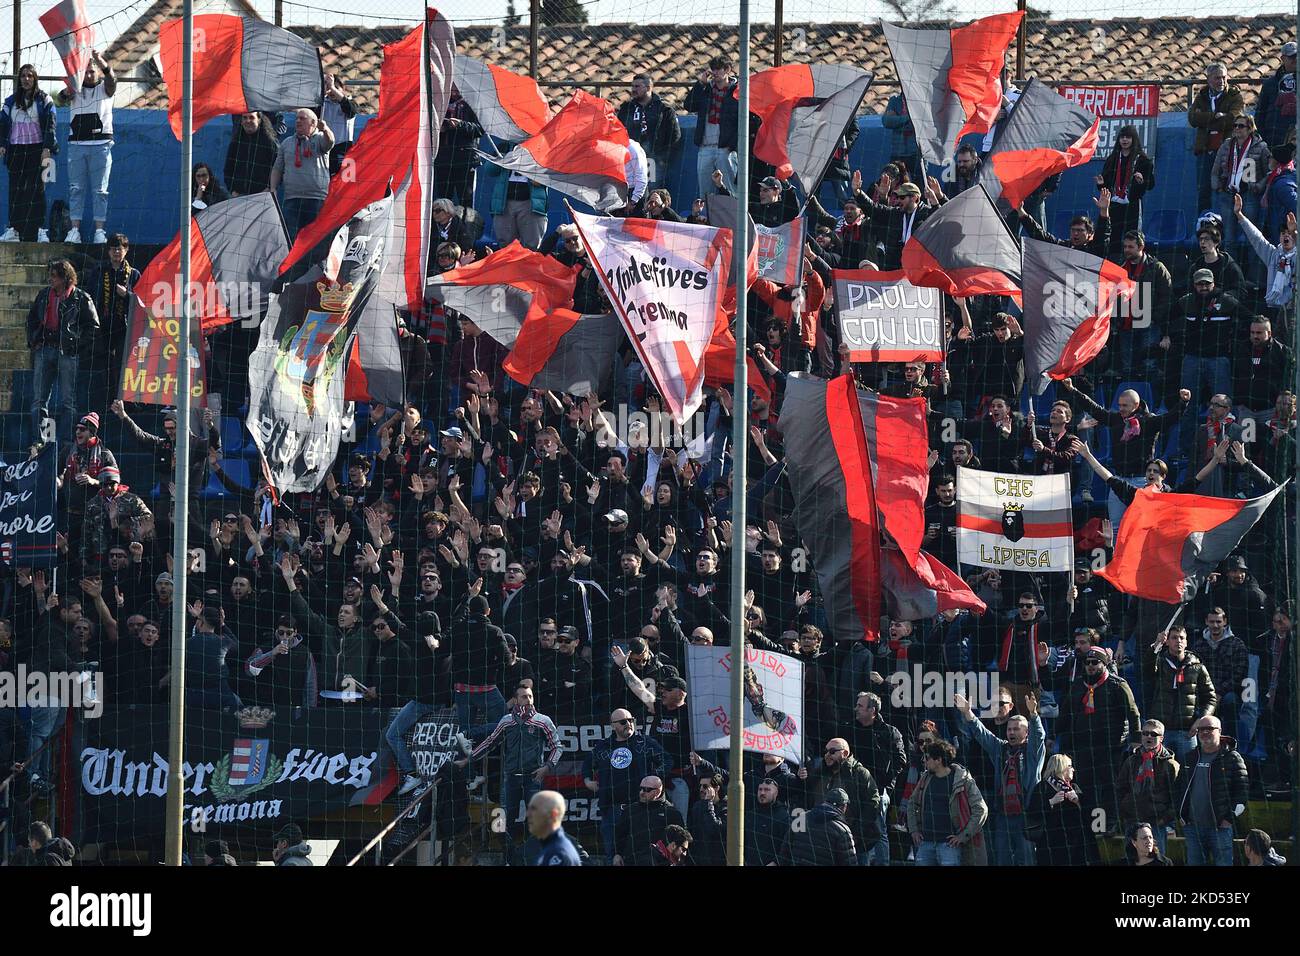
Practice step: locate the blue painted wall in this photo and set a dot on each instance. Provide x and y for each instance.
(144, 199)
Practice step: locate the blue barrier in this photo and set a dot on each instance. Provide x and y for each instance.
(147, 207)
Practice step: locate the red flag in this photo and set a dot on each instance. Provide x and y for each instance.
(68, 26)
(720, 362)
(563, 351)
(508, 106)
(582, 152)
(964, 249)
(384, 153)
(950, 78)
(1168, 543)
(1044, 135)
(241, 65)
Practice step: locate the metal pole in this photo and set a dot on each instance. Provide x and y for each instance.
(180, 501)
(279, 13)
(18, 40)
(778, 42)
(1295, 590)
(739, 466)
(534, 15)
(1020, 43)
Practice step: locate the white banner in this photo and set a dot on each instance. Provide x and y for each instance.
(773, 708)
(1014, 522)
(665, 280)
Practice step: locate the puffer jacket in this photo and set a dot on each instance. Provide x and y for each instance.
(864, 796)
(825, 840)
(1229, 785)
(1177, 701)
(1150, 803)
(297, 855)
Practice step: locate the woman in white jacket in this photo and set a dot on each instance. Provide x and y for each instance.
(1279, 286)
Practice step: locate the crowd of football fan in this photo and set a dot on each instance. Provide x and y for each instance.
(530, 560)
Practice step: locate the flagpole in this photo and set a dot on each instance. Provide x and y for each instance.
(180, 500)
(1295, 585)
(739, 466)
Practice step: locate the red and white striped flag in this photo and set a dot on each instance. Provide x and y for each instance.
(69, 28)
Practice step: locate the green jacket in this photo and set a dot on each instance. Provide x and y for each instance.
(500, 180)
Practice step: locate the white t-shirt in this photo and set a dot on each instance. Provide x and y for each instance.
(92, 116)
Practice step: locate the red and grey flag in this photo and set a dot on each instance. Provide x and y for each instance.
(1069, 297)
(408, 252)
(241, 65)
(499, 293)
(720, 362)
(804, 108)
(384, 155)
(965, 248)
(1169, 544)
(68, 27)
(918, 592)
(235, 250)
(563, 351)
(1044, 134)
(582, 152)
(950, 78)
(508, 106)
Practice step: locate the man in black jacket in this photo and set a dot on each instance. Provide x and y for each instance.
(717, 117)
(1084, 235)
(1263, 369)
(879, 747)
(642, 826)
(1211, 792)
(1099, 719)
(1203, 327)
(477, 649)
(895, 224)
(652, 124)
(767, 824)
(825, 838)
(61, 327)
(457, 160)
(840, 770)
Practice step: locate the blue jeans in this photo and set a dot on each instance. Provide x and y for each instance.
(937, 853)
(1204, 165)
(88, 170)
(1198, 373)
(412, 713)
(1162, 837)
(878, 855)
(50, 365)
(1007, 836)
(299, 213)
(609, 817)
(1233, 236)
(490, 702)
(1204, 844)
(516, 788)
(707, 160)
(46, 722)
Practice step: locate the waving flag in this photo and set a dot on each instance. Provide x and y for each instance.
(804, 108)
(917, 592)
(665, 280)
(964, 249)
(1169, 544)
(950, 78)
(402, 282)
(563, 351)
(307, 351)
(1044, 134)
(68, 26)
(581, 152)
(241, 65)
(501, 292)
(388, 155)
(720, 362)
(508, 106)
(236, 248)
(1069, 297)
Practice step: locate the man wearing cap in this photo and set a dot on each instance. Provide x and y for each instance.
(773, 206)
(1204, 327)
(290, 847)
(824, 839)
(1099, 719)
(285, 677)
(1278, 201)
(79, 480)
(113, 508)
(61, 327)
(1275, 112)
(895, 224)
(1239, 594)
(164, 448)
(563, 675)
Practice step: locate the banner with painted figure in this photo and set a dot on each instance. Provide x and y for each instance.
(773, 717)
(301, 370)
(1014, 522)
(665, 281)
(884, 318)
(777, 250)
(27, 516)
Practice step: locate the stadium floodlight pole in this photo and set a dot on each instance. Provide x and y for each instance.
(180, 500)
(739, 465)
